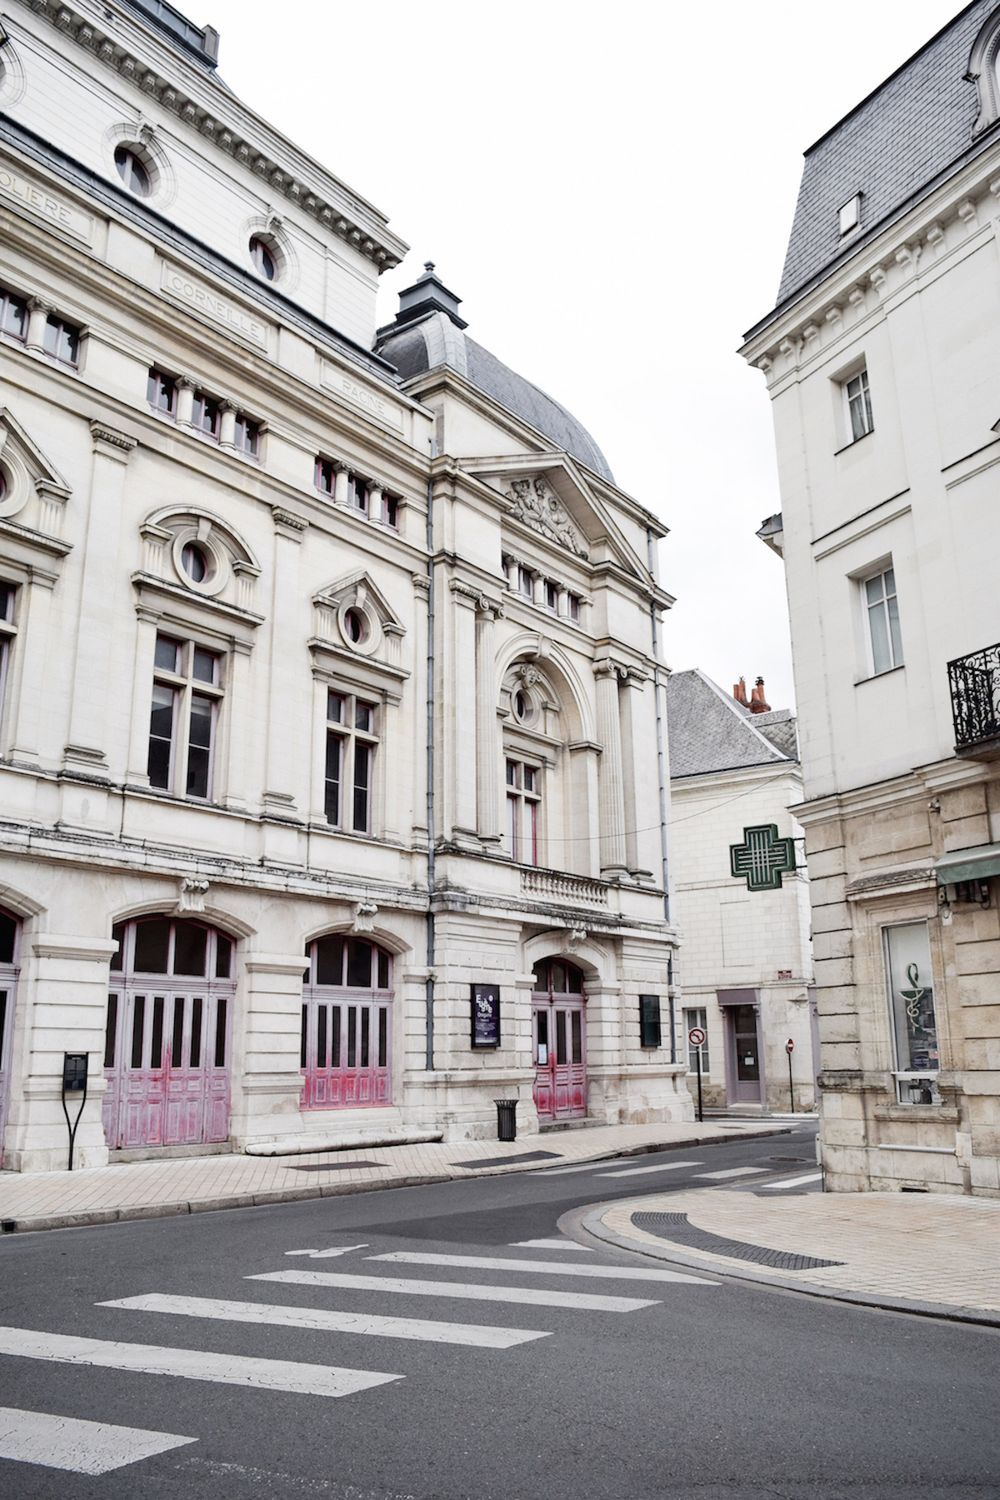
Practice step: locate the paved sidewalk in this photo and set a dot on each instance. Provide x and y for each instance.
(104, 1195)
(929, 1253)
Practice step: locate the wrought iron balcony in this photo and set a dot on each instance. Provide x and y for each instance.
(975, 702)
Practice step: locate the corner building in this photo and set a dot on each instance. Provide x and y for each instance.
(330, 675)
(883, 366)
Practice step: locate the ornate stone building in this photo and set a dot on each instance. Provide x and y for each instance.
(331, 804)
(883, 366)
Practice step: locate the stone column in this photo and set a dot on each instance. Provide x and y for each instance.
(340, 482)
(142, 689)
(185, 401)
(66, 998)
(487, 739)
(227, 425)
(266, 1095)
(28, 690)
(38, 314)
(462, 722)
(375, 500)
(238, 717)
(611, 801)
(87, 739)
(286, 769)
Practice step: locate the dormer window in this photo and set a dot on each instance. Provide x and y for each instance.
(849, 214)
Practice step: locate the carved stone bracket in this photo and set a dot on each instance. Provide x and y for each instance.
(365, 913)
(192, 895)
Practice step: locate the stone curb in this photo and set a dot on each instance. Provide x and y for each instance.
(593, 1224)
(266, 1197)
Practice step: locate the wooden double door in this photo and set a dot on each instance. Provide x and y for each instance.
(168, 1036)
(559, 1034)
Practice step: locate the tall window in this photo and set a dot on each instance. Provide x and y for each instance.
(859, 405)
(182, 721)
(911, 1000)
(8, 630)
(206, 414)
(697, 1016)
(62, 341)
(524, 796)
(247, 435)
(13, 315)
(351, 742)
(882, 613)
(161, 392)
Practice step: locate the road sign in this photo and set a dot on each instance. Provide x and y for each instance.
(696, 1036)
(790, 1046)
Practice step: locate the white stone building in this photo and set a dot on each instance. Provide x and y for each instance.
(330, 674)
(883, 364)
(742, 897)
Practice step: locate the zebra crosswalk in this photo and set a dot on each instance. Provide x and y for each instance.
(96, 1447)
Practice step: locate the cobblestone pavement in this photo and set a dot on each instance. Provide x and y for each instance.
(49, 1200)
(925, 1252)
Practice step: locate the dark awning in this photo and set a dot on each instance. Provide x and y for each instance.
(968, 864)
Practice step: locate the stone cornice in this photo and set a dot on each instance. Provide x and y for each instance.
(384, 249)
(942, 227)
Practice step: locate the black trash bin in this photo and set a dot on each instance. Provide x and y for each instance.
(506, 1119)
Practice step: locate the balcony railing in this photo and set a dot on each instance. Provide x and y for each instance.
(553, 885)
(974, 682)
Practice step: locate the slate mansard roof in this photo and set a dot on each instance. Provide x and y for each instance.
(709, 731)
(428, 333)
(893, 147)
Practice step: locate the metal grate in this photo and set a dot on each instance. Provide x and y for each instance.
(336, 1166)
(675, 1227)
(506, 1161)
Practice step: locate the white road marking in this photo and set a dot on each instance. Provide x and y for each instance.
(732, 1172)
(549, 1267)
(471, 1293)
(190, 1364)
(794, 1181)
(324, 1321)
(324, 1254)
(550, 1245)
(38, 1437)
(670, 1166)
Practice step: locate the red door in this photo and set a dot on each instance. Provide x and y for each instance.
(168, 1035)
(8, 990)
(346, 1009)
(560, 1042)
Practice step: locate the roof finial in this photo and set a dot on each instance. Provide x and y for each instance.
(428, 266)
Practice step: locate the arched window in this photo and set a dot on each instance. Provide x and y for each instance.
(9, 935)
(346, 1005)
(168, 1034)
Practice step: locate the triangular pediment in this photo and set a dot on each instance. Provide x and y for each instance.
(358, 590)
(549, 495)
(34, 493)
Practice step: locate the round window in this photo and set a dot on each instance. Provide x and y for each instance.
(133, 172)
(356, 626)
(3, 486)
(194, 561)
(264, 260)
(524, 706)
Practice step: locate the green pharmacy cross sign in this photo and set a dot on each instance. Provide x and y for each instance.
(762, 858)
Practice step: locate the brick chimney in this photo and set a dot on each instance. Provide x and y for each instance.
(758, 703)
(740, 692)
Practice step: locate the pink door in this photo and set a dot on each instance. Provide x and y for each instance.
(560, 1042)
(168, 1037)
(8, 990)
(346, 1010)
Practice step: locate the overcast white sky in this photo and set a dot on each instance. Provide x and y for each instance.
(609, 188)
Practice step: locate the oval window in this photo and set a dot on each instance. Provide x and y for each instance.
(356, 626)
(263, 257)
(194, 561)
(133, 172)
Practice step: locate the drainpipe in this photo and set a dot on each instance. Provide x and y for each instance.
(659, 689)
(430, 942)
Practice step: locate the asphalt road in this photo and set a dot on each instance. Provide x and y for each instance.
(418, 1381)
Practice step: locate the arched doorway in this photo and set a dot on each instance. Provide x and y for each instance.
(168, 1036)
(346, 1005)
(559, 1032)
(9, 933)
